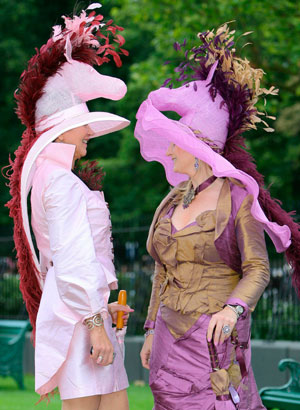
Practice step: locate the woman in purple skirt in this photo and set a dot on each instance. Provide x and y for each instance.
(207, 235)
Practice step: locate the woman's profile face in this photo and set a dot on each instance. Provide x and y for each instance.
(79, 137)
(183, 161)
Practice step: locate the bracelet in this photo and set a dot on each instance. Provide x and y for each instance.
(95, 321)
(238, 310)
(149, 332)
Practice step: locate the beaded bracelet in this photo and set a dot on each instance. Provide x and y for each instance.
(95, 321)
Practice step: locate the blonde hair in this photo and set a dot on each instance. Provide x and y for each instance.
(180, 191)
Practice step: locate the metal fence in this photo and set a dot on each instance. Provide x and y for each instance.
(276, 317)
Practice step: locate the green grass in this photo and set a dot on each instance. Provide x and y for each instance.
(11, 398)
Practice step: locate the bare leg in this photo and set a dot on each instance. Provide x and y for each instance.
(114, 401)
(86, 403)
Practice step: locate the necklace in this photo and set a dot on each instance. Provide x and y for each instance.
(187, 199)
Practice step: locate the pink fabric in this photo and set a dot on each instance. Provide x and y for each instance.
(77, 82)
(180, 368)
(101, 123)
(72, 230)
(62, 108)
(155, 132)
(60, 116)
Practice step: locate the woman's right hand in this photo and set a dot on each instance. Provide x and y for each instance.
(103, 349)
(146, 351)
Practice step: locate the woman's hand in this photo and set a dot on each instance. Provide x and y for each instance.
(114, 308)
(146, 351)
(102, 348)
(217, 321)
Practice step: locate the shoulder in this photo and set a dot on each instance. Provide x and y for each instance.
(62, 185)
(239, 195)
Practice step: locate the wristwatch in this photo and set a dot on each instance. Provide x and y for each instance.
(238, 309)
(149, 332)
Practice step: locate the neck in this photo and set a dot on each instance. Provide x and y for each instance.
(200, 176)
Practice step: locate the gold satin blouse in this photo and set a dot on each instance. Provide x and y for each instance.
(191, 279)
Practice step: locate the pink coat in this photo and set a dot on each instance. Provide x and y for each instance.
(72, 228)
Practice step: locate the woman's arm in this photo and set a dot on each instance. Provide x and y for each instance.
(80, 278)
(158, 279)
(255, 268)
(254, 257)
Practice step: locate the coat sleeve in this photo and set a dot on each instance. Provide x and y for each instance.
(80, 278)
(158, 279)
(255, 263)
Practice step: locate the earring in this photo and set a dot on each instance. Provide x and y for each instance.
(196, 164)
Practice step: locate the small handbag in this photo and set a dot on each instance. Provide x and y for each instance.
(225, 382)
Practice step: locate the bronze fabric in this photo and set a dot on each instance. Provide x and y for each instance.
(190, 277)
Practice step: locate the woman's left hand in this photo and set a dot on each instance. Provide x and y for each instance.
(114, 308)
(218, 321)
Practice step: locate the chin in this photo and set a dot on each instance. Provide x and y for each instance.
(178, 169)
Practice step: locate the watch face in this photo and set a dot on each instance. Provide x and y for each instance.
(239, 309)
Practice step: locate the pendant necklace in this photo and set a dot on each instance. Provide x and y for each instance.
(187, 199)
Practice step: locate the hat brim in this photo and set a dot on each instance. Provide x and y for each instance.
(155, 132)
(101, 123)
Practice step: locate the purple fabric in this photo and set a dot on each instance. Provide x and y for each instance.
(149, 324)
(224, 397)
(180, 368)
(226, 244)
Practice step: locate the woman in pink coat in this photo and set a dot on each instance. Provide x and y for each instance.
(67, 288)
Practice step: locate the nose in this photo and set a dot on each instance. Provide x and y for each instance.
(89, 130)
(170, 149)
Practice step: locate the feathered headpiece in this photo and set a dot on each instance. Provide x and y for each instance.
(51, 99)
(217, 104)
(87, 38)
(234, 79)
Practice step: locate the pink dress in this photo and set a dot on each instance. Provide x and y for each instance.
(72, 228)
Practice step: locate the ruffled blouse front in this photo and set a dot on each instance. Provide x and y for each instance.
(194, 271)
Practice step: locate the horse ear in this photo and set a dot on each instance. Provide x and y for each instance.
(212, 72)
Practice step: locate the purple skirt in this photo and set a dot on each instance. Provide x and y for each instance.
(180, 368)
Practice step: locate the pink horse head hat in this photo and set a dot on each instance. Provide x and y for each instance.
(202, 130)
(208, 118)
(65, 95)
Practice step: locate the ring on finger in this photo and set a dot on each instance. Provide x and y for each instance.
(99, 359)
(226, 329)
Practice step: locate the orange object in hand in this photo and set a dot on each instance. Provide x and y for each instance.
(122, 300)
